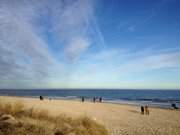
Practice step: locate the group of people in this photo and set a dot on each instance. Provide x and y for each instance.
(145, 110)
(82, 99)
(94, 99)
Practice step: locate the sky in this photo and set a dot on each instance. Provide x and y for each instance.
(90, 44)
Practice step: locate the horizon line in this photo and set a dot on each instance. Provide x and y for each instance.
(88, 89)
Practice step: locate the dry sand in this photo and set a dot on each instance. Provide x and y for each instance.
(118, 119)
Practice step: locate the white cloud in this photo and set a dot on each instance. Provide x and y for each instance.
(76, 47)
(24, 53)
(112, 65)
(147, 63)
(72, 25)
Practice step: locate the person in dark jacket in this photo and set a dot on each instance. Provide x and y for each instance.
(100, 99)
(142, 109)
(41, 97)
(174, 106)
(94, 99)
(82, 99)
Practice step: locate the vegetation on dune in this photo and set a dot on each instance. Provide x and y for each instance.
(39, 122)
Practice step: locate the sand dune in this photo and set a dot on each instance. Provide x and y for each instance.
(118, 119)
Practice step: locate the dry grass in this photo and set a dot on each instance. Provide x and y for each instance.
(39, 122)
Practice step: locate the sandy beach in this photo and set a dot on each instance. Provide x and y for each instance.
(118, 119)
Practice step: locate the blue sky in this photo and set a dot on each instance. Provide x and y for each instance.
(90, 44)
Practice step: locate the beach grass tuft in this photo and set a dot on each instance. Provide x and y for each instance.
(40, 122)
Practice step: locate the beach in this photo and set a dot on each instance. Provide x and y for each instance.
(118, 119)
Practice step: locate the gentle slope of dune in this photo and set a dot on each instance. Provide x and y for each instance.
(16, 119)
(118, 119)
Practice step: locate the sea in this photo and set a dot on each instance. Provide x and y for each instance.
(154, 98)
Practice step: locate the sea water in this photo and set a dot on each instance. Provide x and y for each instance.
(156, 98)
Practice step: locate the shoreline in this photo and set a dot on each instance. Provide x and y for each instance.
(136, 104)
(156, 99)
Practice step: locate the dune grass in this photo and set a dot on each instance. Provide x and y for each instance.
(39, 122)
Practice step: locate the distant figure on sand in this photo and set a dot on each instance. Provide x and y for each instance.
(174, 106)
(147, 110)
(94, 99)
(100, 99)
(142, 109)
(41, 97)
(82, 99)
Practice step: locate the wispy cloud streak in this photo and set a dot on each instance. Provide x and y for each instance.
(25, 27)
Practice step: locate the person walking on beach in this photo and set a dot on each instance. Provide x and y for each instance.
(147, 110)
(82, 99)
(100, 99)
(41, 97)
(142, 109)
(94, 99)
(173, 105)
